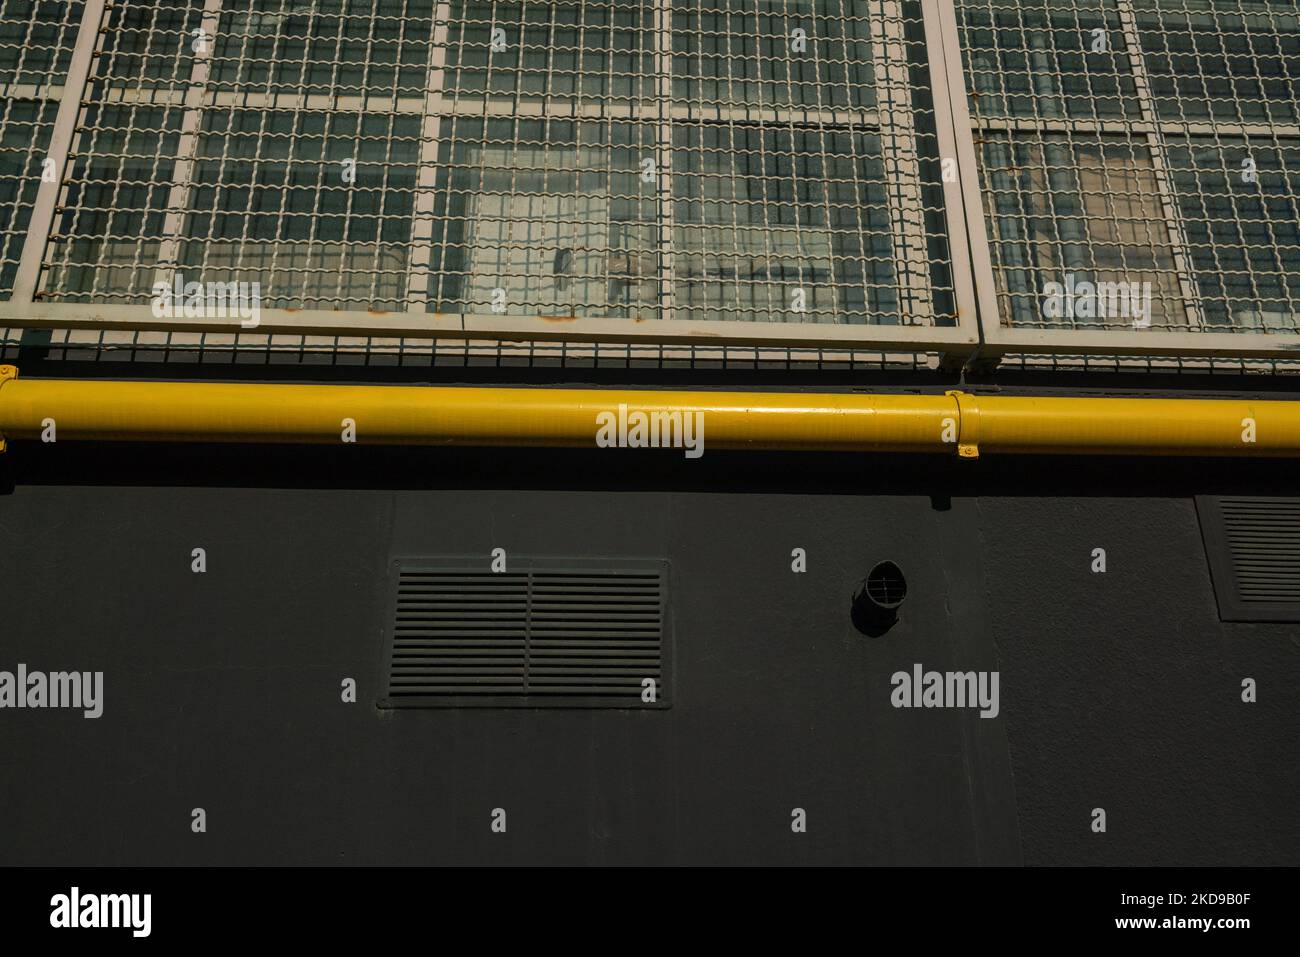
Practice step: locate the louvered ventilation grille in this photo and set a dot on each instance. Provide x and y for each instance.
(1263, 537)
(535, 637)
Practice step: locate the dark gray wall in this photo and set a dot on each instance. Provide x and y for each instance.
(1119, 691)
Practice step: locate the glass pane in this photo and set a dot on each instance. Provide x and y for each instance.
(36, 41)
(105, 245)
(1051, 59)
(149, 44)
(597, 50)
(1069, 212)
(759, 53)
(326, 46)
(545, 217)
(1227, 60)
(271, 204)
(782, 226)
(1241, 212)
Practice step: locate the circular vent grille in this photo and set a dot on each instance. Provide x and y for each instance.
(886, 585)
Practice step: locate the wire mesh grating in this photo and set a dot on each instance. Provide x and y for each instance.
(36, 41)
(1140, 141)
(716, 160)
(721, 161)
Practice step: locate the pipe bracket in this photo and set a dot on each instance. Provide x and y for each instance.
(968, 424)
(6, 373)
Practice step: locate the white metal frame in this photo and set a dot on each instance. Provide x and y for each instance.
(979, 328)
(417, 270)
(26, 308)
(65, 124)
(999, 339)
(898, 141)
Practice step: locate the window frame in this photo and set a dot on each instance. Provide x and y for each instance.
(979, 331)
(26, 308)
(1001, 339)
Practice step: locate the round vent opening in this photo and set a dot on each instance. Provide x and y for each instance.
(886, 585)
(876, 604)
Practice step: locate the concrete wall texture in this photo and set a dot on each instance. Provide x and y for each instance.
(1119, 690)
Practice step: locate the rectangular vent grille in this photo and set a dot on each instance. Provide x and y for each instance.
(1254, 550)
(541, 634)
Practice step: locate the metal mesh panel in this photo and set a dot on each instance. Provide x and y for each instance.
(545, 217)
(1039, 59)
(1227, 60)
(830, 198)
(599, 52)
(36, 40)
(1244, 242)
(1140, 141)
(182, 165)
(267, 205)
(324, 48)
(749, 241)
(1078, 205)
(752, 160)
(106, 242)
(107, 237)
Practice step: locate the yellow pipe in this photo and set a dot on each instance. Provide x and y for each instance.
(954, 423)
